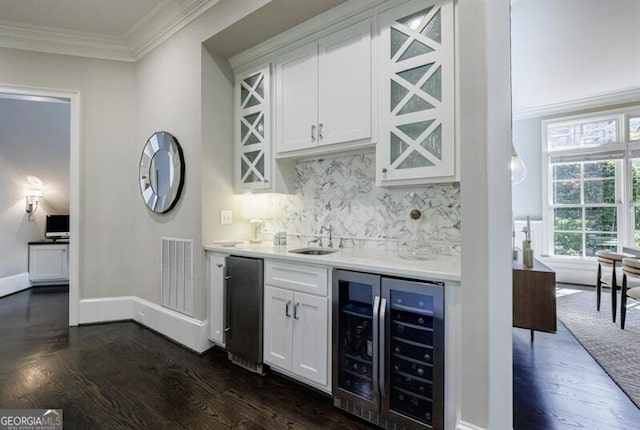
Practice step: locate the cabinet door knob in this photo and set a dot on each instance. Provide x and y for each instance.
(265, 180)
(384, 170)
(320, 136)
(313, 133)
(219, 266)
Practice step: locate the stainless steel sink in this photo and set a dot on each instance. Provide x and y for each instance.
(313, 251)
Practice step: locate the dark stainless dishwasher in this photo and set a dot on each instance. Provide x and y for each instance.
(244, 306)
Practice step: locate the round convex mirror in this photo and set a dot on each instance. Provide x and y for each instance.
(161, 172)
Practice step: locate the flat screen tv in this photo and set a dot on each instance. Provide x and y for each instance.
(57, 227)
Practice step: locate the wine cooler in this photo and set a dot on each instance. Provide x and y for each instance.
(388, 349)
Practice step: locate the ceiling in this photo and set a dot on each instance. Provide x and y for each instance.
(573, 50)
(111, 29)
(105, 17)
(270, 20)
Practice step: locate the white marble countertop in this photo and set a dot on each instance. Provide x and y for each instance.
(441, 268)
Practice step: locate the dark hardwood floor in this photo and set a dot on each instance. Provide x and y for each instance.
(557, 385)
(123, 376)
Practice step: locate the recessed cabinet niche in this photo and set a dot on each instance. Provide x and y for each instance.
(416, 89)
(323, 92)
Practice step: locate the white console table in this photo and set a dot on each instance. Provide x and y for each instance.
(49, 262)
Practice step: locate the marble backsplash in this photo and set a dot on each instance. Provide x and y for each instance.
(341, 192)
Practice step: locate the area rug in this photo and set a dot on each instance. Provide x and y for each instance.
(616, 351)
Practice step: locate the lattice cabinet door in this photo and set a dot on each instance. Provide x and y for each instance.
(416, 89)
(253, 129)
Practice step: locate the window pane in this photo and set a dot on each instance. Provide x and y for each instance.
(600, 219)
(562, 136)
(566, 171)
(600, 169)
(566, 192)
(600, 241)
(600, 191)
(567, 219)
(599, 132)
(580, 134)
(567, 244)
(634, 128)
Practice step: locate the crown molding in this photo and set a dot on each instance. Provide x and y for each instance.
(162, 22)
(157, 26)
(629, 95)
(54, 41)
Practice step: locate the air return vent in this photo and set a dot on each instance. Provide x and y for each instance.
(177, 275)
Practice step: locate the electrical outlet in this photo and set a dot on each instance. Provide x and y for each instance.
(226, 217)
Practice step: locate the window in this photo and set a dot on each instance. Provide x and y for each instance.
(584, 207)
(593, 169)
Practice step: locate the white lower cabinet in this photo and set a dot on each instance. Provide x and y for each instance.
(296, 329)
(215, 279)
(49, 262)
(295, 333)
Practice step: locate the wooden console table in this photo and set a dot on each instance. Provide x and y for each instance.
(534, 297)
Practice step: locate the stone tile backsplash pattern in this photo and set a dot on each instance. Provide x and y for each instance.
(341, 192)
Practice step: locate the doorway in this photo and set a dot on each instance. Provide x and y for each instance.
(73, 98)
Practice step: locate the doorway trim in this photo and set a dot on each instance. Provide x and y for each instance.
(75, 244)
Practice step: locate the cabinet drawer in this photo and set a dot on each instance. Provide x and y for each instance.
(297, 277)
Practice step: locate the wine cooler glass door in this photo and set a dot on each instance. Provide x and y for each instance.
(413, 348)
(355, 336)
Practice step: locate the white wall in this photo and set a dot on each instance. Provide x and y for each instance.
(169, 97)
(527, 195)
(217, 153)
(108, 174)
(483, 129)
(15, 230)
(570, 49)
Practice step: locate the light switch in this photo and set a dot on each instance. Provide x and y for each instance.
(226, 217)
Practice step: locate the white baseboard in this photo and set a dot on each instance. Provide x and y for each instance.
(185, 330)
(463, 425)
(13, 284)
(106, 309)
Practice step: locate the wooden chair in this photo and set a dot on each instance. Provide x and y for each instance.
(609, 271)
(630, 285)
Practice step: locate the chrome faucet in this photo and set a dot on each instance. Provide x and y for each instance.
(328, 229)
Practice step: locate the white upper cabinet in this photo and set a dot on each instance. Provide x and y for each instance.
(416, 95)
(344, 96)
(253, 129)
(323, 92)
(297, 99)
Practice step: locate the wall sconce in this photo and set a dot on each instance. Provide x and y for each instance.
(518, 169)
(33, 200)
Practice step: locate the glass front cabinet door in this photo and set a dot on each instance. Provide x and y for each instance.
(253, 129)
(416, 94)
